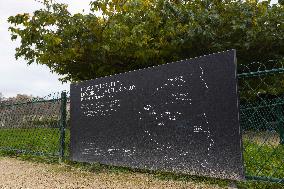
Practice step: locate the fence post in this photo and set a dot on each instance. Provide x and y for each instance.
(280, 125)
(62, 125)
(281, 132)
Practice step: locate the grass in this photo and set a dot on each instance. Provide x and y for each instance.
(263, 154)
(33, 140)
(264, 160)
(261, 159)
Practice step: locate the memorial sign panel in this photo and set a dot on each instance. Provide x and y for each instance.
(179, 117)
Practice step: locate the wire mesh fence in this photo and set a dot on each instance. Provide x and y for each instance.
(261, 120)
(41, 125)
(33, 125)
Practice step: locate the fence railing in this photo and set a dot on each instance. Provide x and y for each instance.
(41, 126)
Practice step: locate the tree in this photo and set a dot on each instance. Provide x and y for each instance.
(17, 98)
(122, 35)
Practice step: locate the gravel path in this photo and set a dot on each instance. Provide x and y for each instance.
(16, 174)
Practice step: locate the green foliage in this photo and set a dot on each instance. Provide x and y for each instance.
(122, 35)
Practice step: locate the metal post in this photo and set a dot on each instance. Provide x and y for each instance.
(280, 125)
(62, 125)
(281, 132)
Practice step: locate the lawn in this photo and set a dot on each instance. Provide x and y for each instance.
(33, 140)
(263, 155)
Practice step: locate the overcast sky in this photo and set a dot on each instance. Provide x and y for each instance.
(15, 76)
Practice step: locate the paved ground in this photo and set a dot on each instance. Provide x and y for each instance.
(16, 174)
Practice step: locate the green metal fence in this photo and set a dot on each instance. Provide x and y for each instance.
(40, 125)
(261, 95)
(34, 126)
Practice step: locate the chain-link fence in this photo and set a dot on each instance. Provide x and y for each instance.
(34, 125)
(262, 120)
(41, 125)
